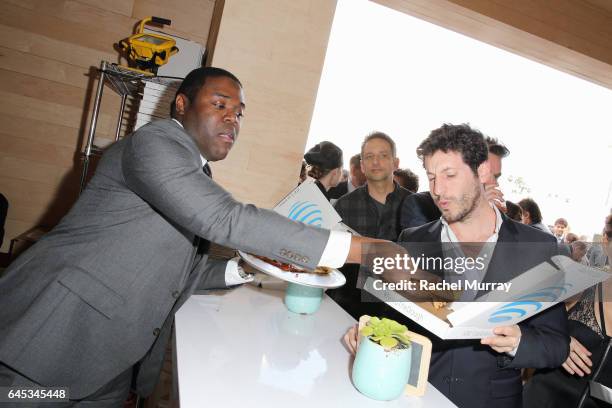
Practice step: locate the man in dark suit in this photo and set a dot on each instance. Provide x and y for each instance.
(485, 373)
(91, 305)
(419, 208)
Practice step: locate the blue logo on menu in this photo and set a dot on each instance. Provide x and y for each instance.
(528, 303)
(307, 213)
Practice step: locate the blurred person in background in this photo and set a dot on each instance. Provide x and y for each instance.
(513, 211)
(532, 215)
(355, 179)
(324, 165)
(560, 229)
(579, 250)
(407, 179)
(590, 327)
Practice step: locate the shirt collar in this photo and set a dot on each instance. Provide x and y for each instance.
(204, 161)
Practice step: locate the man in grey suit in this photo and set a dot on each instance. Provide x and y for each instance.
(91, 305)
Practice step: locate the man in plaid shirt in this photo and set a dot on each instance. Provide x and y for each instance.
(373, 209)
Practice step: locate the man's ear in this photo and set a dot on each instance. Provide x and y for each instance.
(484, 172)
(396, 163)
(182, 104)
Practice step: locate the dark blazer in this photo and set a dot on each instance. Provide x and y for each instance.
(418, 209)
(472, 375)
(98, 293)
(338, 191)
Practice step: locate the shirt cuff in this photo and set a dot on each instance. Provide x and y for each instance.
(234, 274)
(336, 250)
(512, 352)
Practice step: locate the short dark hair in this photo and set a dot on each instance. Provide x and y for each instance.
(355, 160)
(194, 81)
(527, 204)
(470, 143)
(382, 136)
(513, 211)
(496, 147)
(561, 221)
(407, 179)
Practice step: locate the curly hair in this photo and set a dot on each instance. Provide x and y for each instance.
(470, 143)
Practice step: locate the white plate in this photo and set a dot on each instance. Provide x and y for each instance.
(334, 279)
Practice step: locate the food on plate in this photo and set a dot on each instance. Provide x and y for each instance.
(321, 270)
(439, 305)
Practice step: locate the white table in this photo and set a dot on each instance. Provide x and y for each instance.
(243, 348)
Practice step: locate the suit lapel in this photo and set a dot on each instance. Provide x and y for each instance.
(431, 246)
(498, 270)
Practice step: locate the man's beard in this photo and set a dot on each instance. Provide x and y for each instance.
(467, 203)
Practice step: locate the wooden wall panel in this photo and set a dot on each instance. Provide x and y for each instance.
(49, 53)
(574, 36)
(277, 49)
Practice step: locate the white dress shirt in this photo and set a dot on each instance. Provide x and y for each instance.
(448, 236)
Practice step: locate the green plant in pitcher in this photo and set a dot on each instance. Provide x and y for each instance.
(386, 332)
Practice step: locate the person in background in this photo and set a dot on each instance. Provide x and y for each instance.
(596, 254)
(514, 212)
(590, 328)
(532, 215)
(579, 250)
(324, 162)
(355, 179)
(560, 229)
(345, 175)
(571, 237)
(407, 179)
(373, 209)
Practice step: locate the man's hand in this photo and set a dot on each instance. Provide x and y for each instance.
(578, 361)
(494, 195)
(350, 339)
(506, 339)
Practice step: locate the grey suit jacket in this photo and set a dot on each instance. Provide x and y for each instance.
(98, 293)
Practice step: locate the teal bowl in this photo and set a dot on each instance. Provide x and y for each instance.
(303, 299)
(379, 374)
